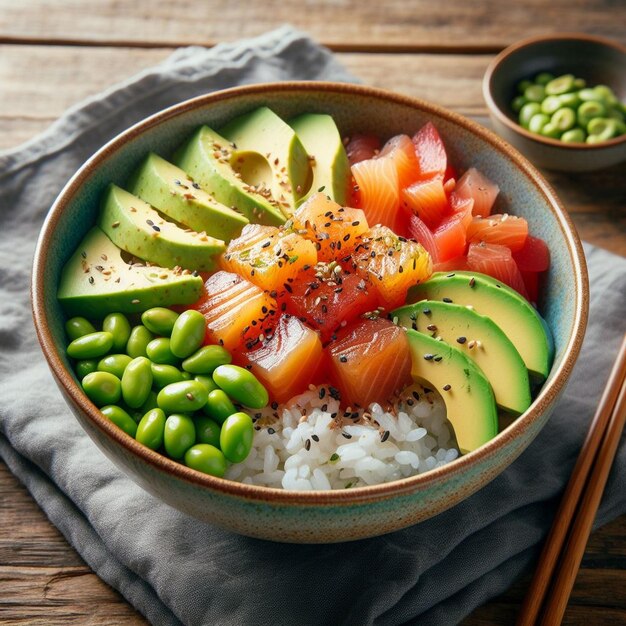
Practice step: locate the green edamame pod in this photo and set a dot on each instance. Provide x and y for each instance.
(207, 459)
(179, 435)
(159, 351)
(76, 327)
(183, 397)
(207, 381)
(187, 333)
(84, 367)
(114, 364)
(102, 388)
(208, 431)
(219, 406)
(206, 359)
(236, 437)
(241, 385)
(163, 375)
(91, 346)
(137, 382)
(138, 341)
(159, 320)
(151, 429)
(118, 325)
(120, 418)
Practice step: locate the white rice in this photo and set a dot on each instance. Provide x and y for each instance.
(308, 443)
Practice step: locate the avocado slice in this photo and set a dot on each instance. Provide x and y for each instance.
(97, 281)
(481, 340)
(470, 404)
(136, 227)
(321, 139)
(517, 318)
(168, 189)
(269, 154)
(206, 158)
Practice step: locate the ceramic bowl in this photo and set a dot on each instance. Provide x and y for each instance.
(597, 60)
(315, 516)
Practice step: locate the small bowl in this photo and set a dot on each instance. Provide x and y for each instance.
(599, 61)
(315, 516)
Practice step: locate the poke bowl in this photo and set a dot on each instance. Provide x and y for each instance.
(329, 406)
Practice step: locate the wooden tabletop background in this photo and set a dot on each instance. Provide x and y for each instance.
(53, 54)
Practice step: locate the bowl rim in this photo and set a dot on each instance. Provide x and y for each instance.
(358, 495)
(517, 128)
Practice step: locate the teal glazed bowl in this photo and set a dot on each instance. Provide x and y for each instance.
(316, 516)
(598, 60)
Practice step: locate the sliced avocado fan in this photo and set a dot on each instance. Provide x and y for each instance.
(469, 399)
(481, 340)
(517, 318)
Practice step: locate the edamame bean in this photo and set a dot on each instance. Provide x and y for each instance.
(84, 367)
(206, 359)
(535, 93)
(137, 382)
(615, 113)
(560, 85)
(114, 364)
(550, 130)
(207, 381)
(159, 320)
(543, 78)
(163, 375)
(207, 431)
(564, 119)
(523, 85)
(187, 333)
(241, 385)
(182, 397)
(138, 341)
(602, 127)
(149, 404)
(102, 388)
(588, 110)
(537, 122)
(590, 95)
(236, 437)
(517, 103)
(159, 351)
(151, 429)
(527, 112)
(179, 435)
(207, 459)
(570, 100)
(120, 418)
(576, 135)
(579, 83)
(90, 346)
(606, 94)
(186, 375)
(219, 406)
(76, 327)
(551, 104)
(118, 325)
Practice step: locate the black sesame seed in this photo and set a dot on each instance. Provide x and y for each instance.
(346, 435)
(438, 358)
(448, 300)
(447, 387)
(429, 356)
(416, 395)
(315, 438)
(195, 185)
(343, 359)
(384, 436)
(461, 339)
(307, 445)
(322, 392)
(270, 430)
(155, 227)
(431, 327)
(472, 281)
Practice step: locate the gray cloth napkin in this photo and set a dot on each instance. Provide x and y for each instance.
(176, 570)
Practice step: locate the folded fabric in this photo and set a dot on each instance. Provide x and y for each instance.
(177, 570)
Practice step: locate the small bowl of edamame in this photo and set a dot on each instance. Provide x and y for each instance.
(561, 100)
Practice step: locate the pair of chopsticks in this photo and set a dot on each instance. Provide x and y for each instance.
(552, 583)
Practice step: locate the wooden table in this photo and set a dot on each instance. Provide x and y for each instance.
(55, 53)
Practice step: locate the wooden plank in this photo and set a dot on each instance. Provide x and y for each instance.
(342, 24)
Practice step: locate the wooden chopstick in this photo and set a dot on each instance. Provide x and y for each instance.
(601, 424)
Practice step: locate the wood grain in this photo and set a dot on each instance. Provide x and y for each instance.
(342, 24)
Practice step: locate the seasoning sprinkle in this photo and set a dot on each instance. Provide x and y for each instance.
(384, 436)
(447, 387)
(461, 339)
(307, 445)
